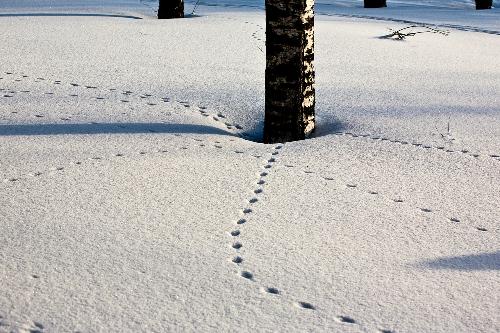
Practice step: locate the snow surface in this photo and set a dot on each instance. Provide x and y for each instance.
(131, 179)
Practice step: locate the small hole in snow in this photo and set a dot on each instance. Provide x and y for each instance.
(247, 275)
(237, 260)
(346, 319)
(306, 305)
(273, 291)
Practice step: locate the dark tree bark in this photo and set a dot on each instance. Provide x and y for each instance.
(290, 95)
(375, 3)
(169, 9)
(484, 4)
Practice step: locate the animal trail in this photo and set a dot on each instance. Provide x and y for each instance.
(128, 96)
(466, 152)
(398, 200)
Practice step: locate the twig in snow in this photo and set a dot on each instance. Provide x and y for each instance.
(195, 7)
(401, 34)
(448, 137)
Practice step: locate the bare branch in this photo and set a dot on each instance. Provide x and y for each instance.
(409, 31)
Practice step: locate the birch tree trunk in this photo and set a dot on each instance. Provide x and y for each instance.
(169, 9)
(484, 4)
(375, 3)
(290, 95)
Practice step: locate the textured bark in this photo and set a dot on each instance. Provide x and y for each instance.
(169, 9)
(484, 4)
(290, 95)
(375, 3)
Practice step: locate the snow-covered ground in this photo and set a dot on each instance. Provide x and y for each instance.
(134, 196)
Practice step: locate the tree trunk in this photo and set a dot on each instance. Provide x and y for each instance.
(375, 3)
(290, 96)
(169, 9)
(484, 4)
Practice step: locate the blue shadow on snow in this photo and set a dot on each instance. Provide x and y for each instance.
(70, 14)
(107, 128)
(475, 262)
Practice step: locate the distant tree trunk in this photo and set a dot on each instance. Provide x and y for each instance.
(375, 3)
(484, 4)
(290, 96)
(169, 9)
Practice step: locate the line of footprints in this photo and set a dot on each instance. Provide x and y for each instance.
(256, 35)
(236, 244)
(199, 143)
(127, 94)
(466, 152)
(235, 233)
(352, 186)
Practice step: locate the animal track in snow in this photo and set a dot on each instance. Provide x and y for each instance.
(305, 305)
(147, 98)
(39, 325)
(417, 145)
(345, 319)
(236, 233)
(237, 260)
(397, 200)
(271, 290)
(30, 175)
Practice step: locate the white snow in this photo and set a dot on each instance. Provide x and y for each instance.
(130, 179)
